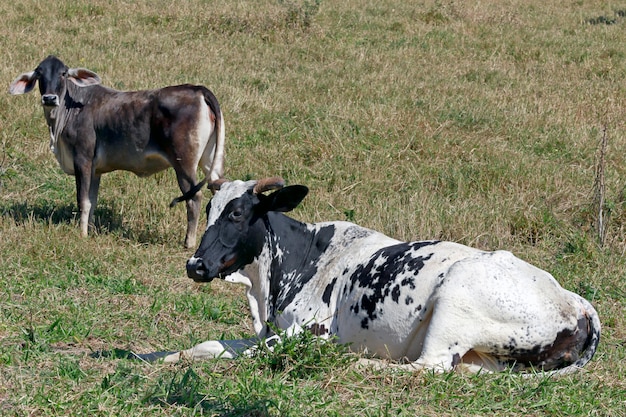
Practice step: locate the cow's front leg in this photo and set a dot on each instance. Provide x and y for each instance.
(83, 176)
(93, 196)
(226, 349)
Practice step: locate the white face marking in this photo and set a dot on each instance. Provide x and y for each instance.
(227, 193)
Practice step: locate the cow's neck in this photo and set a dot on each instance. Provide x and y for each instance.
(51, 120)
(286, 262)
(56, 118)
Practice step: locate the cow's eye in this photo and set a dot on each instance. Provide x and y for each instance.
(236, 215)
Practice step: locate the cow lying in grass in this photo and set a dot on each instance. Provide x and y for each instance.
(429, 304)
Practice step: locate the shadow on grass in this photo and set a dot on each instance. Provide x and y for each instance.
(107, 220)
(188, 390)
(116, 353)
(44, 211)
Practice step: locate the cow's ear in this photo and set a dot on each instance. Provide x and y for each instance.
(285, 199)
(83, 77)
(23, 84)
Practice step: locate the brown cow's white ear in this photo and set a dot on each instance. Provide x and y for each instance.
(83, 77)
(23, 84)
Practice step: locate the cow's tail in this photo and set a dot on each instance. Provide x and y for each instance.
(591, 344)
(189, 194)
(217, 165)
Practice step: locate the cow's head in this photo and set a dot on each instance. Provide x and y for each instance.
(52, 75)
(236, 225)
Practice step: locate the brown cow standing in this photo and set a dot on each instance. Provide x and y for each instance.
(95, 129)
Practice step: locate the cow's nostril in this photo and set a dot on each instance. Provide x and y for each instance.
(193, 263)
(49, 99)
(195, 268)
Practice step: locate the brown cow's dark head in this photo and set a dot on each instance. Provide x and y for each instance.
(52, 75)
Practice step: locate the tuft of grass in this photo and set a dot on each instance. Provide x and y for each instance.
(303, 356)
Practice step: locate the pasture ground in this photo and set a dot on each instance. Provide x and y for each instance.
(477, 122)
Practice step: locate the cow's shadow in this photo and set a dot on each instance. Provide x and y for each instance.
(48, 212)
(107, 220)
(187, 389)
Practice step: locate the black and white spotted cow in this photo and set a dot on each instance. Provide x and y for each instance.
(430, 304)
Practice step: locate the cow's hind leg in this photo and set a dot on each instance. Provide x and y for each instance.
(377, 364)
(193, 214)
(187, 182)
(451, 339)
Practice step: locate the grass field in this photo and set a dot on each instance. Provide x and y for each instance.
(477, 122)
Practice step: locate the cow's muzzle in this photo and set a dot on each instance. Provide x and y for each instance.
(197, 271)
(50, 100)
(205, 270)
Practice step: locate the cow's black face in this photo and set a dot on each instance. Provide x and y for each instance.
(51, 75)
(237, 228)
(231, 242)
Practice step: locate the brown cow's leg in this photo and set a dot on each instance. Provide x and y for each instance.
(93, 197)
(186, 181)
(193, 214)
(82, 173)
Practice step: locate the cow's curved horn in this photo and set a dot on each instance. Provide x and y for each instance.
(267, 184)
(216, 184)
